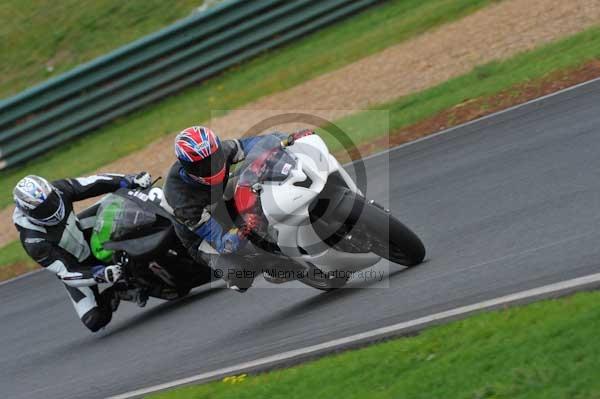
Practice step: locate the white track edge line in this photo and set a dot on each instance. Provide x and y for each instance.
(480, 119)
(387, 151)
(373, 334)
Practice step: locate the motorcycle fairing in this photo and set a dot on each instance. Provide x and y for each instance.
(126, 215)
(286, 206)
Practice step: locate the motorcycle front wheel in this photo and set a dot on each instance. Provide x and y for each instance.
(397, 243)
(354, 224)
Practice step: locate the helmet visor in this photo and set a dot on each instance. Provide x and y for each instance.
(209, 171)
(49, 212)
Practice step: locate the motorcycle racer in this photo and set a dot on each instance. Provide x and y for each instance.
(58, 240)
(195, 187)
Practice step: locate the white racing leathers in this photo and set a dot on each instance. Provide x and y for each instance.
(64, 248)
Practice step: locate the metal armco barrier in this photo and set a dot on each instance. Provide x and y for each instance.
(153, 67)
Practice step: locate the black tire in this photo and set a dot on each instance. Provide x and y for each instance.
(316, 279)
(397, 243)
(347, 221)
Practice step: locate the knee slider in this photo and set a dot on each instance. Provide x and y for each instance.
(95, 319)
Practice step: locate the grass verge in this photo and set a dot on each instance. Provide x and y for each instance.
(544, 350)
(14, 261)
(41, 39)
(513, 78)
(323, 51)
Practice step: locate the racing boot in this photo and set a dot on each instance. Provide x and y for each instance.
(136, 295)
(238, 283)
(273, 277)
(110, 298)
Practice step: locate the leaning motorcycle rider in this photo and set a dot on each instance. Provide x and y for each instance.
(196, 188)
(57, 239)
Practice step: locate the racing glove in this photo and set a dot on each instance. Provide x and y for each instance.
(232, 241)
(298, 135)
(251, 223)
(141, 180)
(107, 274)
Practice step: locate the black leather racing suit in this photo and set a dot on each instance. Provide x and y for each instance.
(64, 248)
(201, 209)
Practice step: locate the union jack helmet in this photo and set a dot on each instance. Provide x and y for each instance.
(199, 150)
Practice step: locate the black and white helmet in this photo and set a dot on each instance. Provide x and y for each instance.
(39, 201)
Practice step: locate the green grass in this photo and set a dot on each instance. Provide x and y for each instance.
(546, 350)
(485, 80)
(323, 51)
(39, 34)
(14, 261)
(14, 253)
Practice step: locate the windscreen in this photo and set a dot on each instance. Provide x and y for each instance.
(117, 219)
(266, 161)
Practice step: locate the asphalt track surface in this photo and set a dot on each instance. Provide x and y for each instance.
(508, 203)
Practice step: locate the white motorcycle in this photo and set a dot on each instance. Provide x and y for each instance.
(301, 205)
